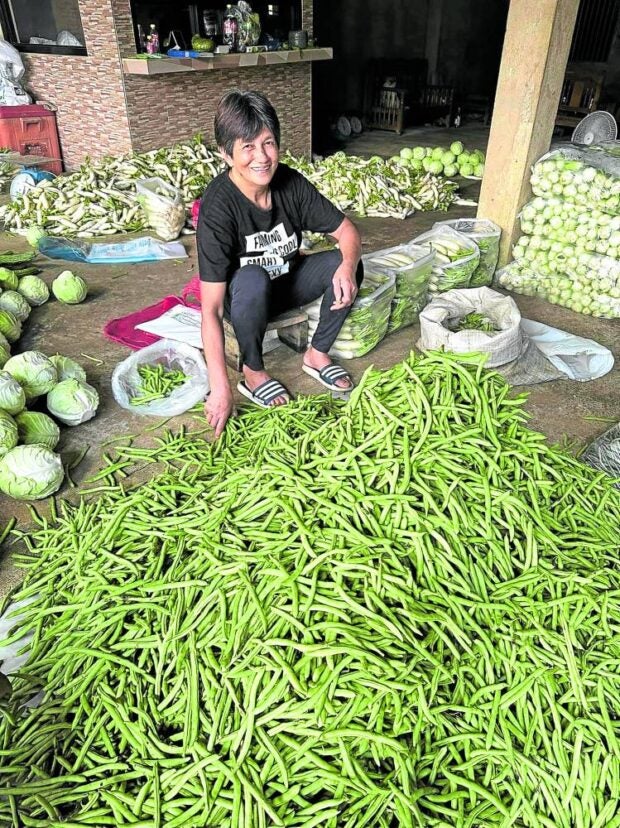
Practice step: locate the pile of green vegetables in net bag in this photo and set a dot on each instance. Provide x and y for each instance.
(402, 610)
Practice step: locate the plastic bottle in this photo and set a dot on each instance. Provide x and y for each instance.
(141, 39)
(230, 29)
(152, 42)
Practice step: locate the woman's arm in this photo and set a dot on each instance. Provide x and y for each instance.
(350, 244)
(219, 404)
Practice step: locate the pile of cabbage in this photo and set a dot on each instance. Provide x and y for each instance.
(569, 252)
(29, 467)
(29, 382)
(456, 160)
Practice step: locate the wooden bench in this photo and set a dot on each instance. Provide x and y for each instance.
(292, 328)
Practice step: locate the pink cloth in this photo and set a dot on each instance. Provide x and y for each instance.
(191, 292)
(124, 330)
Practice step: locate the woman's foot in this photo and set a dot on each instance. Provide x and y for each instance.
(256, 379)
(317, 361)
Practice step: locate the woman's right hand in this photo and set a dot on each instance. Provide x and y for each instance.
(219, 407)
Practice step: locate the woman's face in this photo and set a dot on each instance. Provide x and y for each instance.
(254, 162)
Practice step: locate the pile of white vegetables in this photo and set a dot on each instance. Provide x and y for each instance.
(441, 161)
(29, 467)
(374, 186)
(569, 252)
(101, 198)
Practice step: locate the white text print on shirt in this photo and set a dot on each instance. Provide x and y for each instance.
(270, 248)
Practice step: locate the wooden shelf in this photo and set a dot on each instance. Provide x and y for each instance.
(162, 66)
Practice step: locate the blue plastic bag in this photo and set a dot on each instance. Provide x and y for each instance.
(146, 249)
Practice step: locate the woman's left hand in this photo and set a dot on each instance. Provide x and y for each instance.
(345, 289)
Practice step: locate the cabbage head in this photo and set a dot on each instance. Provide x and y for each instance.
(34, 290)
(5, 349)
(37, 427)
(8, 433)
(12, 395)
(34, 371)
(10, 326)
(69, 288)
(30, 472)
(8, 279)
(13, 301)
(72, 402)
(68, 368)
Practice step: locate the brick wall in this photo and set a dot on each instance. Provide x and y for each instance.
(101, 111)
(88, 91)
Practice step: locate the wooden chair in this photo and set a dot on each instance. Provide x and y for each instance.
(581, 92)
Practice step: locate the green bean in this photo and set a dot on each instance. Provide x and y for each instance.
(399, 610)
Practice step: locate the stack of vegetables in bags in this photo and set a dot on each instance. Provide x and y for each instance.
(368, 320)
(411, 266)
(30, 469)
(569, 252)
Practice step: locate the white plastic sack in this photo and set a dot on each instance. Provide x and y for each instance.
(502, 346)
(11, 71)
(126, 381)
(163, 205)
(578, 358)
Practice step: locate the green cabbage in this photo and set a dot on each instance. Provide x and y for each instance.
(69, 288)
(34, 234)
(10, 326)
(68, 368)
(34, 372)
(33, 289)
(5, 349)
(12, 395)
(30, 472)
(37, 427)
(14, 302)
(8, 279)
(73, 402)
(8, 433)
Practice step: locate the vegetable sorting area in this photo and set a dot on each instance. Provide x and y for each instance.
(415, 626)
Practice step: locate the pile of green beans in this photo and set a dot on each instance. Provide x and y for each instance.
(402, 610)
(158, 382)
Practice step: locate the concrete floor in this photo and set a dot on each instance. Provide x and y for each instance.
(558, 408)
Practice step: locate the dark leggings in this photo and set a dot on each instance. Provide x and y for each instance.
(253, 299)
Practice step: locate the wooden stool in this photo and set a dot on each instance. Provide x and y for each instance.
(292, 328)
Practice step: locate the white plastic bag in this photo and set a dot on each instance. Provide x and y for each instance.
(163, 205)
(126, 381)
(604, 453)
(502, 346)
(12, 70)
(578, 358)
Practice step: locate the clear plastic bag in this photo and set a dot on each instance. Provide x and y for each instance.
(163, 205)
(457, 257)
(583, 175)
(126, 381)
(486, 234)
(367, 322)
(411, 279)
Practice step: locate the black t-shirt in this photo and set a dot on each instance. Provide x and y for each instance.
(233, 231)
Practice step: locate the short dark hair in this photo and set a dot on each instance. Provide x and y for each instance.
(243, 115)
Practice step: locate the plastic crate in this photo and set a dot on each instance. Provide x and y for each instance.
(31, 130)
